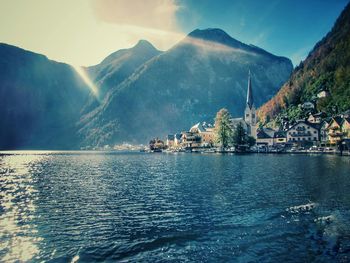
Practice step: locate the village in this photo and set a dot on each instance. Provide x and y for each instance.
(318, 133)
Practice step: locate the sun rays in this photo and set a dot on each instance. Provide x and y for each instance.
(85, 77)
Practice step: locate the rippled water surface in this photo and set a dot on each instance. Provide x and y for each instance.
(66, 206)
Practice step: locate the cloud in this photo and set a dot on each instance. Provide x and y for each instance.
(155, 14)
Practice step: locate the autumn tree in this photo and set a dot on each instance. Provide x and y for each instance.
(223, 129)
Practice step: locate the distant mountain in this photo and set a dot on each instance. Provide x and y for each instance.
(40, 101)
(190, 82)
(116, 68)
(327, 68)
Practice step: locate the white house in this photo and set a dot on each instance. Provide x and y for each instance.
(303, 132)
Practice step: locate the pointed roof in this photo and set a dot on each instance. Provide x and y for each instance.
(197, 128)
(250, 101)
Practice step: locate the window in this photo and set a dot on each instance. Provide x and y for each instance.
(247, 115)
(315, 139)
(315, 132)
(253, 115)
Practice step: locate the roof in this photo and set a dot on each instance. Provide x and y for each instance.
(235, 121)
(265, 133)
(346, 112)
(197, 126)
(261, 134)
(347, 119)
(250, 100)
(178, 136)
(279, 134)
(337, 119)
(319, 114)
(313, 125)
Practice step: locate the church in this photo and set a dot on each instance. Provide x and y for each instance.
(249, 121)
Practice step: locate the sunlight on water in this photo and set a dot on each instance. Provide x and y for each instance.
(81, 206)
(17, 206)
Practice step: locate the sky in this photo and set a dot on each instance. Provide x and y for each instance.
(84, 32)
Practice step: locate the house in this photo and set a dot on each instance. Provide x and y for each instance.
(265, 136)
(170, 140)
(270, 137)
(317, 117)
(308, 105)
(177, 140)
(303, 132)
(345, 128)
(323, 131)
(323, 94)
(205, 132)
(279, 137)
(334, 131)
(156, 144)
(191, 139)
(208, 137)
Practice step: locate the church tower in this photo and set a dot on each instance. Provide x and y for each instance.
(250, 112)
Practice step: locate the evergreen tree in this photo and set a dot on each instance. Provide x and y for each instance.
(251, 141)
(223, 129)
(239, 136)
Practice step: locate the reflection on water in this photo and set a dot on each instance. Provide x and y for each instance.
(18, 234)
(88, 206)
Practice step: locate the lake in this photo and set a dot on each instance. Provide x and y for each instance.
(139, 207)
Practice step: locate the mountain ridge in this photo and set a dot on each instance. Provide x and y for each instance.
(191, 80)
(143, 92)
(326, 68)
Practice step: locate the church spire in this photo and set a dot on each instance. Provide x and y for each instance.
(250, 101)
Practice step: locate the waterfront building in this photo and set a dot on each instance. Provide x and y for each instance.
(265, 136)
(279, 138)
(334, 131)
(345, 128)
(170, 140)
(303, 132)
(205, 132)
(323, 131)
(191, 139)
(270, 137)
(177, 140)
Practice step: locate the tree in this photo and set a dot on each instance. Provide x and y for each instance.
(223, 130)
(251, 141)
(239, 136)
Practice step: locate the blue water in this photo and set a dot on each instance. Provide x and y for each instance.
(137, 207)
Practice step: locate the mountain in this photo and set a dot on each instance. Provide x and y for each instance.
(327, 68)
(116, 68)
(188, 83)
(40, 101)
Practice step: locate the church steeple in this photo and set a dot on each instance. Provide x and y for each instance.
(250, 112)
(250, 101)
